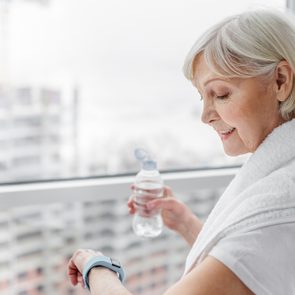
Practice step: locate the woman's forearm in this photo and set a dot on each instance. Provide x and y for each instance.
(104, 281)
(190, 229)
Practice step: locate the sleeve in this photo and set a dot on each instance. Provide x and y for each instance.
(263, 259)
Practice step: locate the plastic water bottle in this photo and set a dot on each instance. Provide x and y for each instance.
(148, 186)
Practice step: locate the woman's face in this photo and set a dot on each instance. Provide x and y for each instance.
(242, 111)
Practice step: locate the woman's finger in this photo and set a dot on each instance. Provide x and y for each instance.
(166, 204)
(131, 206)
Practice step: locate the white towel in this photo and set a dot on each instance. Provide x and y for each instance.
(261, 194)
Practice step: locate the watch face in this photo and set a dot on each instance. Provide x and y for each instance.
(115, 262)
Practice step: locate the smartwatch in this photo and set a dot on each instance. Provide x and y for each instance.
(102, 261)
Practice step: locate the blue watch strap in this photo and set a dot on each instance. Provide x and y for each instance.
(103, 261)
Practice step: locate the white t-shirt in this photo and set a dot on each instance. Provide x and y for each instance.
(263, 259)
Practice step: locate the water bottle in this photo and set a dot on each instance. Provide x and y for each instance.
(148, 185)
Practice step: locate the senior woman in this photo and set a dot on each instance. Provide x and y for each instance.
(243, 69)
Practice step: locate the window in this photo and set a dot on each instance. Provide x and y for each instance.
(83, 83)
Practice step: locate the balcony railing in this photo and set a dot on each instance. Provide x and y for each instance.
(41, 224)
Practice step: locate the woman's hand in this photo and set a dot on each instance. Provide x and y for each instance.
(102, 280)
(176, 215)
(77, 264)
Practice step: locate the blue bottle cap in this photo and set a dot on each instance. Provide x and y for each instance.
(149, 165)
(140, 154)
(145, 159)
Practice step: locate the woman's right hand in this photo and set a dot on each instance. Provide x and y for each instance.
(176, 215)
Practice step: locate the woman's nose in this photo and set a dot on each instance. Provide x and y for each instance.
(209, 114)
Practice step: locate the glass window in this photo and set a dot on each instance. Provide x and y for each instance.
(83, 83)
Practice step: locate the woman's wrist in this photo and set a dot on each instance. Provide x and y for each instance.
(99, 275)
(101, 271)
(102, 263)
(104, 281)
(190, 228)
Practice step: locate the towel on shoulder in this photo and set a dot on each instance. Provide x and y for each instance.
(261, 194)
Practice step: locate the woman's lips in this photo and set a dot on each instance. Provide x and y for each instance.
(226, 134)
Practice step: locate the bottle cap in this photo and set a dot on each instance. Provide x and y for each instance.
(145, 159)
(149, 165)
(140, 154)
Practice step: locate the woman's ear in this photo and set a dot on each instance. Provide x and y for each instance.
(284, 80)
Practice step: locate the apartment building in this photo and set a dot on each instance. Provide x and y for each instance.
(37, 241)
(37, 132)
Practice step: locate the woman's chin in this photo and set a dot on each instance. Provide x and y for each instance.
(234, 152)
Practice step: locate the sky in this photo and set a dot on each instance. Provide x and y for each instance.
(124, 56)
(129, 44)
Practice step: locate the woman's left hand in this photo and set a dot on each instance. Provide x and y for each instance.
(77, 264)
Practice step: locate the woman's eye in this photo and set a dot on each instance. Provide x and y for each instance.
(222, 96)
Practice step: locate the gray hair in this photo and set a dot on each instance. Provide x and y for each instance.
(248, 45)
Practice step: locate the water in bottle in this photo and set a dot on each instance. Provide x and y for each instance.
(148, 186)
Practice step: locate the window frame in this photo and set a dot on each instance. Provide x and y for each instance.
(50, 192)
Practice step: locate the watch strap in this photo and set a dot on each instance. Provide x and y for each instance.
(103, 261)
